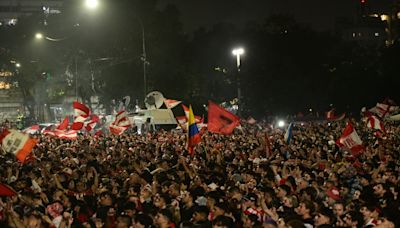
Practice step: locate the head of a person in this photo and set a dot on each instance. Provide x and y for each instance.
(353, 219)
(282, 191)
(33, 221)
(380, 189)
(369, 211)
(251, 199)
(106, 199)
(163, 217)
(222, 222)
(324, 216)
(200, 213)
(123, 221)
(220, 208)
(290, 201)
(305, 208)
(338, 208)
(143, 221)
(162, 200)
(250, 221)
(130, 209)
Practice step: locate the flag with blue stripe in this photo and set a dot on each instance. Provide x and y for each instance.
(288, 134)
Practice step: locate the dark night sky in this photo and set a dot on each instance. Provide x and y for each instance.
(319, 14)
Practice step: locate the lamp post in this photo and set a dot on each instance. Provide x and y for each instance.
(238, 52)
(143, 58)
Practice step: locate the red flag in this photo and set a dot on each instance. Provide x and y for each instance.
(17, 143)
(220, 120)
(350, 140)
(5, 190)
(63, 124)
(81, 113)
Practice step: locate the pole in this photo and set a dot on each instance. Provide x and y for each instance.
(143, 58)
(76, 78)
(144, 61)
(238, 84)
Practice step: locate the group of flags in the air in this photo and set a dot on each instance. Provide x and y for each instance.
(220, 121)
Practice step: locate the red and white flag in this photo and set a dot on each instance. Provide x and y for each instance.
(350, 140)
(70, 134)
(81, 113)
(120, 124)
(330, 115)
(171, 103)
(34, 129)
(89, 125)
(375, 123)
(382, 110)
(17, 143)
(49, 131)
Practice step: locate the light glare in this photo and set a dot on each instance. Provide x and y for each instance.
(281, 123)
(39, 36)
(92, 4)
(238, 51)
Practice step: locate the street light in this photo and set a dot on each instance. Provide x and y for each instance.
(91, 4)
(18, 65)
(238, 52)
(40, 36)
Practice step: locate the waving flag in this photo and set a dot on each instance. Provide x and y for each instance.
(81, 113)
(17, 143)
(186, 110)
(89, 125)
(220, 120)
(32, 129)
(375, 123)
(171, 103)
(330, 115)
(350, 140)
(70, 134)
(289, 133)
(193, 132)
(64, 124)
(120, 124)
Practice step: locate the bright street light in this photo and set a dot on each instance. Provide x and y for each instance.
(18, 65)
(281, 123)
(238, 51)
(91, 4)
(39, 36)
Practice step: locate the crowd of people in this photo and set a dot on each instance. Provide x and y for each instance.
(238, 180)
